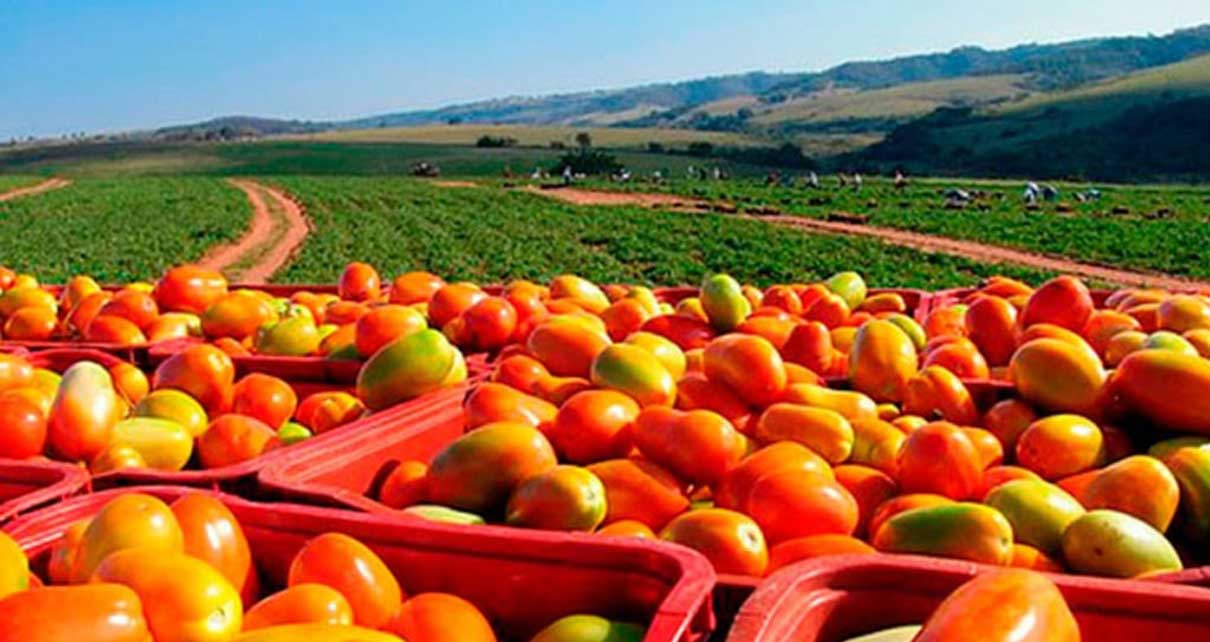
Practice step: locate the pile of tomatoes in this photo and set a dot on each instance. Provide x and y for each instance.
(714, 426)
(141, 569)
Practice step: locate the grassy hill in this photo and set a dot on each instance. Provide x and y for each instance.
(533, 136)
(1146, 125)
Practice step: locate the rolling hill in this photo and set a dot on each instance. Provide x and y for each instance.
(1149, 124)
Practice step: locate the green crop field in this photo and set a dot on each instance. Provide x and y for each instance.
(1177, 242)
(488, 235)
(15, 182)
(119, 230)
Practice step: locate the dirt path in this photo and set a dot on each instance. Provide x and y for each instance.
(45, 186)
(455, 184)
(915, 240)
(279, 227)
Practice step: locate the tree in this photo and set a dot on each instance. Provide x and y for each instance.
(584, 140)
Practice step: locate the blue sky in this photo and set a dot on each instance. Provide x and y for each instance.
(72, 65)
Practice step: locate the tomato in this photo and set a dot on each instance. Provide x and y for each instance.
(213, 535)
(451, 301)
(940, 458)
(112, 329)
(824, 431)
(408, 367)
(697, 445)
(798, 503)
(160, 443)
(300, 604)
(749, 365)
(324, 411)
(959, 530)
(882, 361)
(1167, 388)
(566, 345)
(264, 397)
(1061, 445)
(1063, 301)
(635, 372)
(990, 321)
(1058, 376)
(593, 426)
(232, 439)
(732, 542)
(641, 491)
(84, 413)
(31, 324)
(131, 520)
(204, 372)
(415, 287)
(490, 323)
(189, 288)
(385, 324)
(22, 427)
(935, 392)
(582, 291)
(813, 546)
(93, 612)
(184, 598)
(492, 402)
(359, 282)
(567, 498)
(696, 392)
(134, 306)
(1003, 606)
(15, 372)
(479, 470)
(350, 567)
(687, 333)
(440, 617)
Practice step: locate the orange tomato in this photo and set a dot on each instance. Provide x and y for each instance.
(15, 372)
(1141, 486)
(1007, 419)
(130, 382)
(440, 617)
(732, 542)
(997, 475)
(62, 559)
(813, 546)
(1061, 445)
(31, 324)
(947, 321)
(300, 604)
(810, 346)
(1058, 376)
(130, 520)
(492, 402)
(93, 612)
(350, 567)
(359, 282)
(637, 490)
(342, 312)
(112, 329)
(133, 305)
(490, 323)
(960, 357)
(565, 498)
(940, 458)
(478, 471)
(213, 534)
(451, 301)
(795, 503)
(624, 317)
(519, 371)
(264, 397)
(1028, 557)
(696, 392)
(935, 392)
(749, 365)
(566, 346)
(900, 504)
(1102, 325)
(829, 309)
(22, 428)
(594, 425)
(323, 411)
(627, 528)
(990, 321)
(824, 431)
(1063, 301)
(775, 330)
(201, 371)
(83, 313)
(869, 487)
(415, 287)
(84, 412)
(697, 445)
(405, 486)
(232, 439)
(184, 598)
(881, 361)
(385, 324)
(189, 288)
(783, 297)
(999, 606)
(237, 315)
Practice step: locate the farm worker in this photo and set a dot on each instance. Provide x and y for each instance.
(841, 181)
(1031, 193)
(813, 180)
(1049, 192)
(567, 174)
(900, 180)
(857, 182)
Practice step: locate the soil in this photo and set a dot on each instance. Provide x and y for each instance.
(279, 227)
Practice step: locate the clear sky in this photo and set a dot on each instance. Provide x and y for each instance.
(80, 65)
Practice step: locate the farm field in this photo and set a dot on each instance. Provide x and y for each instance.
(1162, 229)
(14, 182)
(486, 235)
(119, 230)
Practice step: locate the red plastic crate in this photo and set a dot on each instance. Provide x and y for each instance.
(26, 485)
(837, 598)
(241, 477)
(521, 580)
